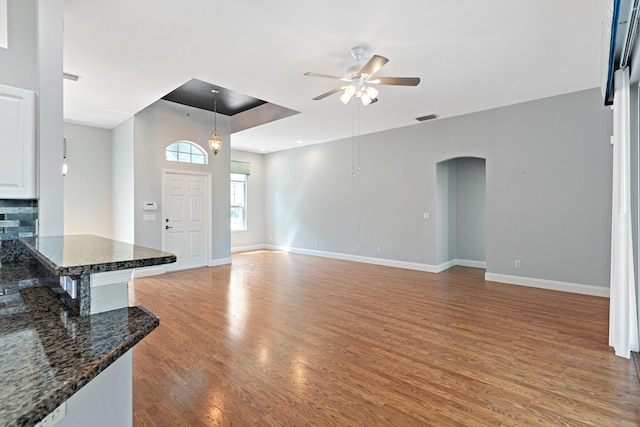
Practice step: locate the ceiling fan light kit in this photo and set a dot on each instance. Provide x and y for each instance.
(359, 78)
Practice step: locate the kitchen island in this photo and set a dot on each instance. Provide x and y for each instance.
(62, 358)
(94, 270)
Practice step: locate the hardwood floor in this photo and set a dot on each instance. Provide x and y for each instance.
(285, 339)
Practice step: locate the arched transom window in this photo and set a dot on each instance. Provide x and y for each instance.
(186, 152)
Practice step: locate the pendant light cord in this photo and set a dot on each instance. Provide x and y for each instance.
(215, 112)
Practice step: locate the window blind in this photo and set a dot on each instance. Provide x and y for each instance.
(241, 167)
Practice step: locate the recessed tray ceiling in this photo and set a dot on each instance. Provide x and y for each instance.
(255, 112)
(197, 93)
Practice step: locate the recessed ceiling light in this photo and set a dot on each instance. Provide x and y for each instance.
(263, 149)
(299, 142)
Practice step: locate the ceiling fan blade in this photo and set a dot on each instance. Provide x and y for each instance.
(374, 64)
(331, 92)
(326, 76)
(397, 81)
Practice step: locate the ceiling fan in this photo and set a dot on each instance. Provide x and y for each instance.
(361, 81)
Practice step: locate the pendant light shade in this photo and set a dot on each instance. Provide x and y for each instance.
(215, 142)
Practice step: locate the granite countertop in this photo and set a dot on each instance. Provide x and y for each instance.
(86, 254)
(48, 352)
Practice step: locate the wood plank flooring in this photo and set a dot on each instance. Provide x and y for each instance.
(282, 339)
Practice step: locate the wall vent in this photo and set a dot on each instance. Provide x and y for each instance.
(427, 117)
(70, 76)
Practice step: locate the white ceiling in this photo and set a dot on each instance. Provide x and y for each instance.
(471, 55)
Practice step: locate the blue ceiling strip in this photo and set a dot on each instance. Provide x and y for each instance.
(608, 99)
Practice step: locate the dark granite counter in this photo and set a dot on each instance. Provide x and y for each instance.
(50, 344)
(48, 352)
(87, 254)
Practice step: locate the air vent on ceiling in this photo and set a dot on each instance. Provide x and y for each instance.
(427, 117)
(70, 76)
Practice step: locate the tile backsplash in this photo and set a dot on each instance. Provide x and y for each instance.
(18, 218)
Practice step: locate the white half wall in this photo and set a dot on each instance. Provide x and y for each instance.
(122, 198)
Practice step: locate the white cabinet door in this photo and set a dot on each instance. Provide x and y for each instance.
(17, 143)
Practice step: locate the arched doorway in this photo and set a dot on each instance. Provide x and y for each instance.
(461, 213)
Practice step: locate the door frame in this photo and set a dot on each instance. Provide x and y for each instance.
(207, 202)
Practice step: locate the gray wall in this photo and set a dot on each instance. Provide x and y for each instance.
(157, 126)
(446, 208)
(470, 209)
(254, 235)
(87, 185)
(548, 189)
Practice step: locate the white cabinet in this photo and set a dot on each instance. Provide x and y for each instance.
(17, 143)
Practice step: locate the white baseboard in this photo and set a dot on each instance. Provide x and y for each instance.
(247, 248)
(555, 285)
(471, 263)
(462, 262)
(445, 265)
(153, 270)
(219, 261)
(358, 258)
(577, 288)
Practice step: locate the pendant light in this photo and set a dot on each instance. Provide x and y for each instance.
(215, 142)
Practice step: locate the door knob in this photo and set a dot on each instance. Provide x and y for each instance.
(166, 227)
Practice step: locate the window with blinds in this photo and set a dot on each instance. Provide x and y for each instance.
(239, 177)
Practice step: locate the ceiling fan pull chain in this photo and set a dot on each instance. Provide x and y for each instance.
(358, 139)
(353, 139)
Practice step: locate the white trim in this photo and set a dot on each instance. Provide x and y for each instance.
(111, 277)
(247, 248)
(578, 288)
(219, 261)
(471, 263)
(153, 270)
(207, 214)
(555, 285)
(357, 258)
(445, 265)
(462, 262)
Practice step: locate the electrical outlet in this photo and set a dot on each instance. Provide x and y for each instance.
(358, 247)
(379, 248)
(518, 263)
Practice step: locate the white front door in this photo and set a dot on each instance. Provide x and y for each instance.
(185, 212)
